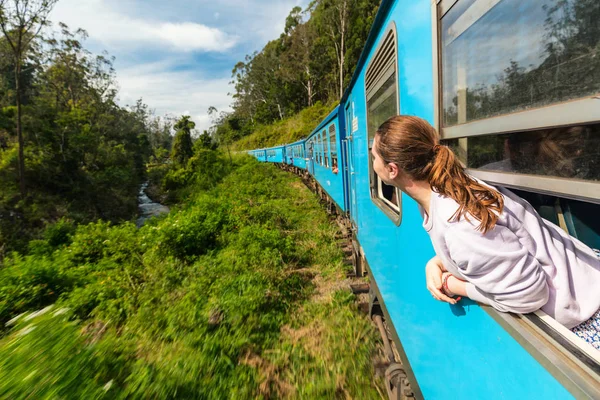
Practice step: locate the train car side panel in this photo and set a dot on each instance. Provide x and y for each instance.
(452, 349)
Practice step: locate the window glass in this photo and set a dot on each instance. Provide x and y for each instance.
(380, 106)
(506, 56)
(571, 152)
(333, 148)
(321, 149)
(326, 153)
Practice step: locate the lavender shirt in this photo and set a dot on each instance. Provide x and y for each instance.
(521, 265)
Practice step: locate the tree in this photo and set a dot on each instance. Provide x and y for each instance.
(20, 22)
(205, 141)
(182, 145)
(333, 16)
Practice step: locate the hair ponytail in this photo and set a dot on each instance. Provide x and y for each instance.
(413, 145)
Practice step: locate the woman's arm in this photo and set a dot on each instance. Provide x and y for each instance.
(456, 286)
(434, 271)
(499, 271)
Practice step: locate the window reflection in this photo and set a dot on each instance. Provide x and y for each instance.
(571, 152)
(380, 107)
(517, 55)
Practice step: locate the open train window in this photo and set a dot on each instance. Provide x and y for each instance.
(381, 87)
(333, 148)
(519, 91)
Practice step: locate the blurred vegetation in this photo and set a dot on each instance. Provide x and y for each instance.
(235, 294)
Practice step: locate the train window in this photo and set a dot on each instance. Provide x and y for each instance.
(333, 148)
(504, 57)
(322, 149)
(326, 149)
(381, 85)
(519, 92)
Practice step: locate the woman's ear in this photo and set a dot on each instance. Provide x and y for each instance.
(393, 170)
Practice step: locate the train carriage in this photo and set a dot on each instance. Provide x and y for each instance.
(259, 154)
(295, 154)
(326, 157)
(275, 154)
(513, 88)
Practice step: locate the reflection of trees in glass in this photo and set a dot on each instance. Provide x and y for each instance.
(571, 152)
(570, 70)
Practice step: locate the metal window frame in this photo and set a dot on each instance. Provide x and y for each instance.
(566, 360)
(574, 112)
(384, 72)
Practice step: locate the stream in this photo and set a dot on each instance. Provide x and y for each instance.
(148, 208)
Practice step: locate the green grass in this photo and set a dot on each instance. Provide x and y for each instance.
(238, 293)
(285, 131)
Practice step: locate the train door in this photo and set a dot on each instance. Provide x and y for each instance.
(350, 171)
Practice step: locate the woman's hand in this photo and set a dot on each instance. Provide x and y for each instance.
(433, 273)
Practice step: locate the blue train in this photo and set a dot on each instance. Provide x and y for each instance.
(512, 86)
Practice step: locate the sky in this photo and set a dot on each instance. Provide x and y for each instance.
(177, 55)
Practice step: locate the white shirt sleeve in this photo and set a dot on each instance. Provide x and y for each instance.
(499, 270)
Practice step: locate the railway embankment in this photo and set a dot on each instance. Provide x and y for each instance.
(239, 292)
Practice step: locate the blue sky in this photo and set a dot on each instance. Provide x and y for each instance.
(177, 55)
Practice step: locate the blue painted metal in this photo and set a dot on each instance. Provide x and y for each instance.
(454, 351)
(275, 154)
(457, 351)
(295, 154)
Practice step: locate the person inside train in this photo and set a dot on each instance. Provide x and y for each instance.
(490, 244)
(560, 152)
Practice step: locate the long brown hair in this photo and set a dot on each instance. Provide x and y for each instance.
(414, 146)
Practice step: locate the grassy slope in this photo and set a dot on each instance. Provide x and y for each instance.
(286, 131)
(239, 293)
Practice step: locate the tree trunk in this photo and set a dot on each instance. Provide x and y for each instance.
(20, 130)
(343, 12)
(309, 86)
(280, 113)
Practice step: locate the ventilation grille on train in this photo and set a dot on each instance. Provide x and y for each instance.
(384, 59)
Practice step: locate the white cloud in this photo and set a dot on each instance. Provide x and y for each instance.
(112, 28)
(175, 93)
(136, 31)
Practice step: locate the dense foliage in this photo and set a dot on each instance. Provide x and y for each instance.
(84, 156)
(203, 303)
(312, 61)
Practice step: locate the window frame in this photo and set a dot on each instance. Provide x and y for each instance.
(321, 149)
(572, 112)
(326, 149)
(333, 152)
(384, 72)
